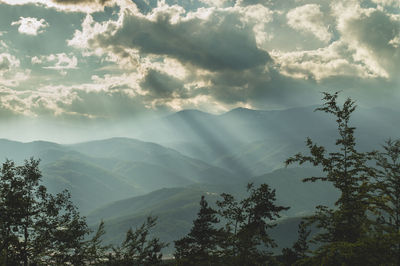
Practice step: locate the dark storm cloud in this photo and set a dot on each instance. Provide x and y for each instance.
(160, 85)
(221, 42)
(260, 88)
(378, 32)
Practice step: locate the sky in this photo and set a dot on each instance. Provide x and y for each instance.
(82, 62)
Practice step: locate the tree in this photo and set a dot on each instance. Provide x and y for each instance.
(300, 247)
(348, 170)
(36, 227)
(388, 184)
(94, 250)
(137, 249)
(247, 240)
(200, 246)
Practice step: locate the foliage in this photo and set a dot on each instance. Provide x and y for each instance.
(348, 171)
(299, 250)
(388, 191)
(36, 227)
(200, 246)
(137, 249)
(348, 234)
(247, 240)
(95, 253)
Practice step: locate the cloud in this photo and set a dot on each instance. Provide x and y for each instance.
(7, 62)
(60, 62)
(162, 86)
(30, 26)
(334, 60)
(372, 33)
(85, 6)
(159, 56)
(10, 72)
(309, 18)
(222, 41)
(76, 2)
(390, 3)
(106, 97)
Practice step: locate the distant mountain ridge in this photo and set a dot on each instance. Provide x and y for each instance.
(182, 156)
(102, 171)
(234, 140)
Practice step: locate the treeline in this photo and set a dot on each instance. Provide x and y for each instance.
(37, 228)
(363, 228)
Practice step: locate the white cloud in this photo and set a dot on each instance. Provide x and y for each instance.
(217, 3)
(309, 18)
(60, 62)
(395, 42)
(85, 6)
(372, 33)
(7, 62)
(10, 72)
(36, 60)
(333, 60)
(30, 26)
(212, 55)
(390, 3)
(80, 100)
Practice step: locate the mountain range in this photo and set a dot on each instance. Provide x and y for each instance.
(177, 158)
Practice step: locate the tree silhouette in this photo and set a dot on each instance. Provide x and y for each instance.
(299, 249)
(247, 239)
(348, 170)
(388, 187)
(36, 227)
(137, 249)
(200, 246)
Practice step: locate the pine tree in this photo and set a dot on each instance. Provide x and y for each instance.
(247, 239)
(200, 246)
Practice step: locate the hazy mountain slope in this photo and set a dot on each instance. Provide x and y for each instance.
(258, 157)
(177, 207)
(131, 150)
(165, 199)
(19, 151)
(103, 171)
(149, 176)
(174, 207)
(90, 185)
(230, 140)
(301, 197)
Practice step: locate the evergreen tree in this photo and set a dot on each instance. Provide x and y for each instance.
(388, 184)
(344, 228)
(200, 246)
(94, 250)
(247, 240)
(299, 249)
(137, 249)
